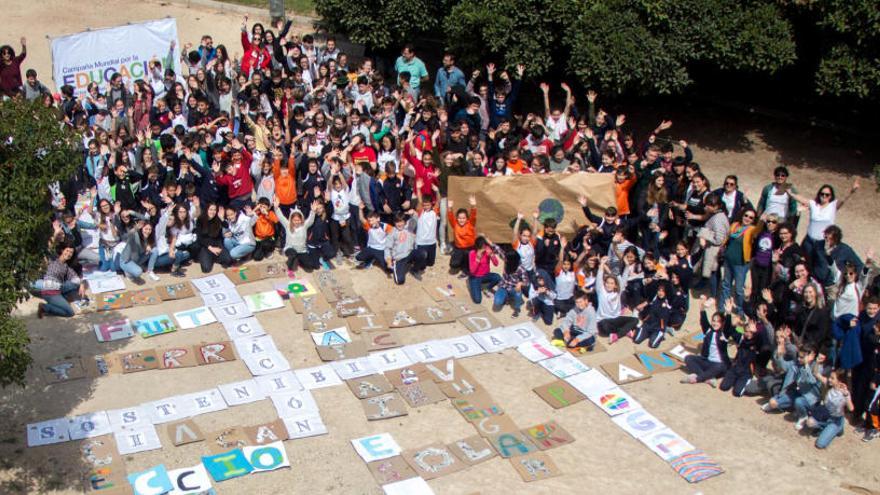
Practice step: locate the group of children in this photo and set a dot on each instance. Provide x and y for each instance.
(295, 149)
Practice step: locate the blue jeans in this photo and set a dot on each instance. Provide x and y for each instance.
(105, 263)
(475, 285)
(237, 250)
(163, 260)
(503, 296)
(56, 304)
(132, 268)
(830, 430)
(790, 399)
(734, 275)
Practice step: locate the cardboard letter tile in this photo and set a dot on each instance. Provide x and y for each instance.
(476, 406)
(399, 318)
(535, 466)
(369, 386)
(170, 292)
(64, 370)
(548, 435)
(215, 352)
(391, 470)
(184, 432)
(334, 336)
(433, 461)
(114, 330)
(338, 352)
(226, 439)
(511, 444)
(657, 362)
(384, 406)
(472, 450)
(559, 394)
(626, 371)
(479, 322)
(494, 425)
(266, 433)
(177, 357)
(144, 297)
(135, 361)
(379, 340)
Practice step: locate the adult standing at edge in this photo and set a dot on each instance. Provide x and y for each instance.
(408, 62)
(10, 69)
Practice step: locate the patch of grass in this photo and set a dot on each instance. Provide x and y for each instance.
(299, 7)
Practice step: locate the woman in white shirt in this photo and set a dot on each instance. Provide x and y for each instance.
(823, 213)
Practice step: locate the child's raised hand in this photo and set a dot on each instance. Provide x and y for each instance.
(582, 200)
(472, 200)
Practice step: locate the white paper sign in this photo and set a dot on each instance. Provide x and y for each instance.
(376, 447)
(195, 317)
(266, 363)
(317, 377)
(590, 383)
(279, 382)
(189, 481)
(496, 340)
(464, 346)
(290, 404)
(524, 331)
(222, 297)
(332, 337)
(129, 417)
(411, 486)
(48, 432)
(564, 365)
(243, 392)
(614, 401)
(348, 369)
(168, 409)
(638, 423)
(666, 444)
(305, 425)
(230, 312)
(244, 328)
(134, 440)
(538, 350)
(428, 352)
(264, 301)
(213, 283)
(89, 425)
(204, 402)
(389, 359)
(255, 345)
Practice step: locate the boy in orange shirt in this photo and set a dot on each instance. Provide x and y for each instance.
(464, 231)
(285, 183)
(264, 230)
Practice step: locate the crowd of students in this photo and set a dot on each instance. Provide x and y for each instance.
(295, 149)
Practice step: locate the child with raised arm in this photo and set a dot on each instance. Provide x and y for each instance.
(524, 244)
(464, 225)
(612, 322)
(400, 250)
(296, 240)
(579, 326)
(713, 360)
(426, 228)
(377, 235)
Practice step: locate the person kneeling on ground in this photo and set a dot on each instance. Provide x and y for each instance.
(579, 327)
(827, 418)
(59, 281)
(481, 277)
(377, 236)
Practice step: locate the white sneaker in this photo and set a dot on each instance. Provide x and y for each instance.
(799, 425)
(153, 276)
(766, 407)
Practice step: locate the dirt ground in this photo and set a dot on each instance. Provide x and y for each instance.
(756, 450)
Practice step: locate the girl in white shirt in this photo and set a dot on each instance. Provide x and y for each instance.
(612, 322)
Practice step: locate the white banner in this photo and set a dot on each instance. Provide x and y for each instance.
(94, 56)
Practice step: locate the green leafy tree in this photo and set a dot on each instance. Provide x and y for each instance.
(850, 36)
(35, 151)
(382, 23)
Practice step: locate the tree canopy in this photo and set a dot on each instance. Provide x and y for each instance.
(635, 46)
(35, 151)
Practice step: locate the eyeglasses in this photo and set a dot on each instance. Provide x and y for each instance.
(772, 221)
(732, 184)
(825, 194)
(781, 175)
(750, 217)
